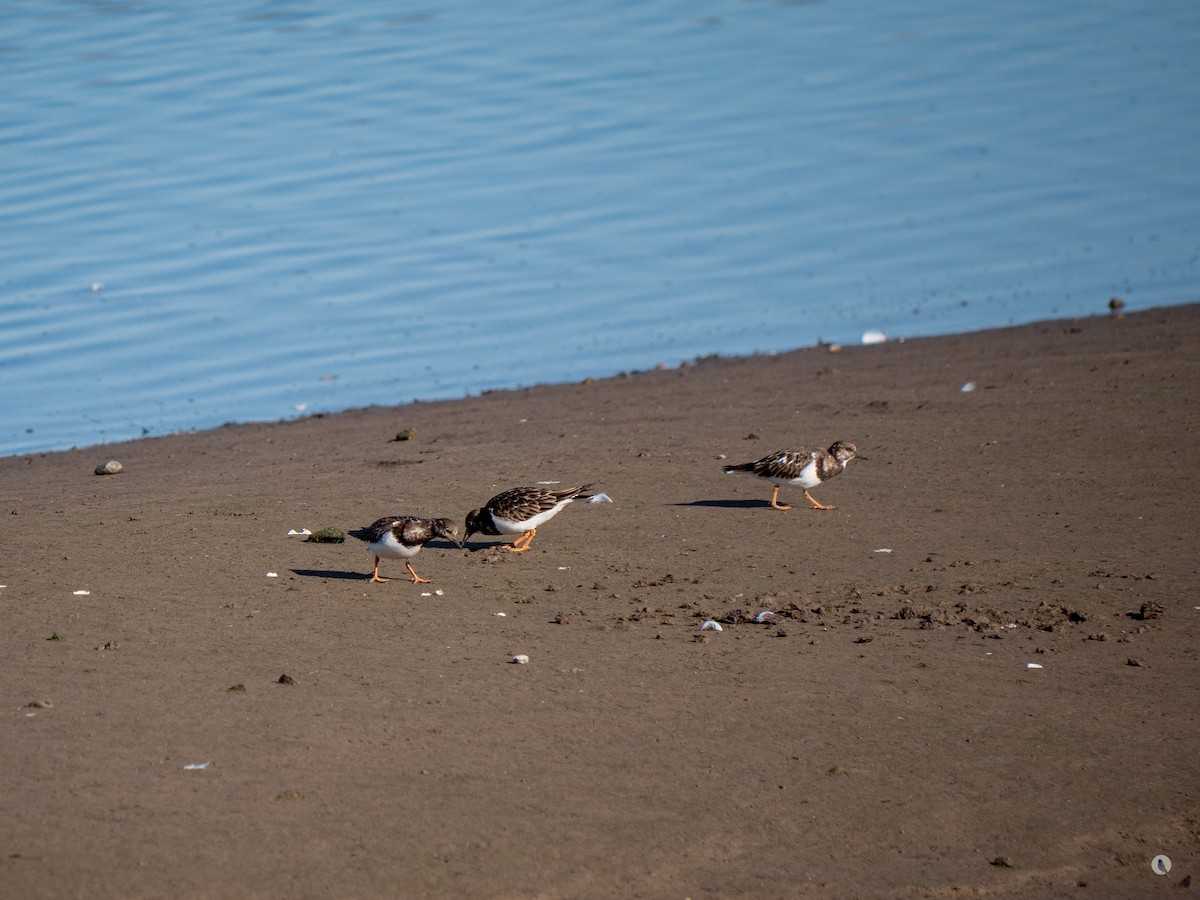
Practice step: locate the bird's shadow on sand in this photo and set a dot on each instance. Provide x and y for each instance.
(332, 573)
(728, 504)
(364, 576)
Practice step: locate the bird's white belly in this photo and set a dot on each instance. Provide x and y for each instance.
(391, 548)
(808, 477)
(507, 526)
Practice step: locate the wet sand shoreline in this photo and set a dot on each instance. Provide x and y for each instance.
(881, 734)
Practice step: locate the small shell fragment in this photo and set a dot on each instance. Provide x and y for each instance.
(303, 532)
(763, 616)
(1033, 665)
(82, 593)
(520, 659)
(272, 574)
(884, 550)
(193, 766)
(711, 625)
(600, 498)
(968, 387)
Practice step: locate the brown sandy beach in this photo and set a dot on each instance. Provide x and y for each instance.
(881, 735)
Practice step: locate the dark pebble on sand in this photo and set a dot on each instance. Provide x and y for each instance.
(327, 536)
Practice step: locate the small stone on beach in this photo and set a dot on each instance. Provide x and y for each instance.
(326, 536)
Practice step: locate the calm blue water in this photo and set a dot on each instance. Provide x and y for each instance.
(292, 207)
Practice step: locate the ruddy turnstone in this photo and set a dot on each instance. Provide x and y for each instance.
(806, 468)
(402, 537)
(520, 511)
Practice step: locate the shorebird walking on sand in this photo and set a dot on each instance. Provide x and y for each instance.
(520, 511)
(402, 537)
(806, 468)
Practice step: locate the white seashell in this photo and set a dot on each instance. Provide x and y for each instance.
(874, 336)
(81, 593)
(968, 387)
(762, 616)
(1033, 665)
(884, 550)
(426, 594)
(501, 615)
(439, 593)
(711, 625)
(302, 532)
(547, 482)
(202, 765)
(520, 659)
(600, 498)
(272, 574)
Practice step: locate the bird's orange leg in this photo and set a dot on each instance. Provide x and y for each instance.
(521, 544)
(417, 579)
(815, 504)
(775, 499)
(375, 578)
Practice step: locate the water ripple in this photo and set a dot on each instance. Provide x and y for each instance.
(293, 208)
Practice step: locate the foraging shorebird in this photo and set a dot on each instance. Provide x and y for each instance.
(402, 537)
(806, 468)
(520, 511)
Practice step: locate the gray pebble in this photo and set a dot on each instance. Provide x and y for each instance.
(112, 467)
